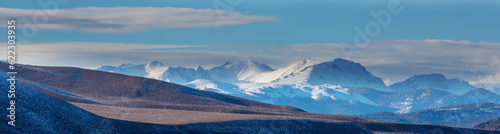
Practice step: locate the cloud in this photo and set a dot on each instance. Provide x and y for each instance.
(492, 80)
(399, 59)
(393, 61)
(128, 19)
(85, 54)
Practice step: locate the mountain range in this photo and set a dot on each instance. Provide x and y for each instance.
(75, 100)
(316, 86)
(336, 72)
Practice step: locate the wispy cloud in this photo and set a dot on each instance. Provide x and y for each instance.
(86, 54)
(477, 62)
(399, 59)
(491, 80)
(128, 19)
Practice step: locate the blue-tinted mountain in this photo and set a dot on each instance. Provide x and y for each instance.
(406, 102)
(458, 115)
(434, 81)
(322, 86)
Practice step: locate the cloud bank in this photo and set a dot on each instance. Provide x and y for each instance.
(477, 62)
(127, 19)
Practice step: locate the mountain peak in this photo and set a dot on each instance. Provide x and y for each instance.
(307, 61)
(336, 72)
(432, 75)
(239, 70)
(247, 62)
(347, 64)
(342, 60)
(227, 63)
(478, 91)
(434, 80)
(154, 63)
(344, 72)
(199, 68)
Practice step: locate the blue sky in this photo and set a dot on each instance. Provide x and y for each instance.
(302, 22)
(462, 35)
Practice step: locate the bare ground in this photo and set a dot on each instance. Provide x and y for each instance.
(175, 117)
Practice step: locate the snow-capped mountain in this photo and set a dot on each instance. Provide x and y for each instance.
(228, 72)
(405, 102)
(294, 70)
(202, 84)
(184, 75)
(336, 72)
(238, 71)
(300, 84)
(155, 69)
(338, 86)
(325, 98)
(346, 73)
(435, 81)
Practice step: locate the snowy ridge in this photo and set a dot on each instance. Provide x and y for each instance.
(293, 70)
(338, 86)
(346, 73)
(184, 75)
(202, 84)
(239, 70)
(155, 69)
(336, 72)
(303, 90)
(436, 81)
